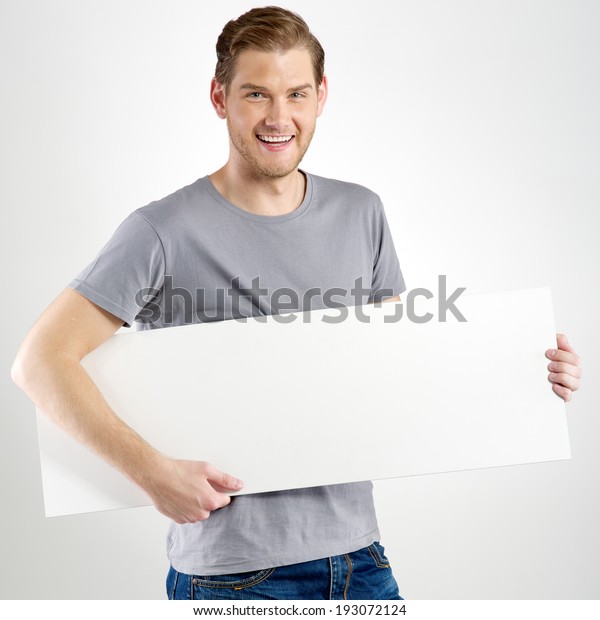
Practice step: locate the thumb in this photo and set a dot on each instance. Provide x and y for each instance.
(221, 481)
(563, 343)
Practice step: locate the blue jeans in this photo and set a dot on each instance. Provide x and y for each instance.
(362, 575)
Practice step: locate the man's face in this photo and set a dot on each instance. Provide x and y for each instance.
(271, 109)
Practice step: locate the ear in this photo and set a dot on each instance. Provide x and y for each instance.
(217, 98)
(322, 91)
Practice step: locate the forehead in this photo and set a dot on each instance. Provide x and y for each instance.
(273, 69)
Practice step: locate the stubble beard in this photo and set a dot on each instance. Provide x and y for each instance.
(247, 151)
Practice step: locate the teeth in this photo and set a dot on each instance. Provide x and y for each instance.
(275, 138)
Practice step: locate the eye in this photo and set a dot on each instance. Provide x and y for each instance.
(298, 95)
(255, 95)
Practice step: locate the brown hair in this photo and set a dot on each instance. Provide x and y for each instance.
(268, 29)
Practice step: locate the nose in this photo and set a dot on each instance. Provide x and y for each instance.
(278, 116)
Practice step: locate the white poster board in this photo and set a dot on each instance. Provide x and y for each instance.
(307, 403)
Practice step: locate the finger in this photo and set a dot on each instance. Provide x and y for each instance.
(201, 515)
(564, 379)
(563, 392)
(215, 501)
(221, 481)
(569, 369)
(563, 343)
(200, 512)
(220, 489)
(559, 355)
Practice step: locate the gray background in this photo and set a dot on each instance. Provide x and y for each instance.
(477, 124)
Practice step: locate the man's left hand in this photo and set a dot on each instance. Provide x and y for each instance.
(565, 368)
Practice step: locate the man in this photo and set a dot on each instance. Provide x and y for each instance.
(258, 222)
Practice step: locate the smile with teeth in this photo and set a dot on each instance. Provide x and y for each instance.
(274, 139)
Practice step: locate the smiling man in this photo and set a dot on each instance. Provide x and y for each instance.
(271, 103)
(257, 224)
(270, 123)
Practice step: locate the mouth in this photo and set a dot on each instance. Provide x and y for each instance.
(275, 142)
(269, 139)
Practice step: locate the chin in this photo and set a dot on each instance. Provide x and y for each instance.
(274, 170)
(277, 173)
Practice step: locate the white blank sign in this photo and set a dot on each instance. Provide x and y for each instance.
(307, 403)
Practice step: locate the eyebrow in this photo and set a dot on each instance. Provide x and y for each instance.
(255, 87)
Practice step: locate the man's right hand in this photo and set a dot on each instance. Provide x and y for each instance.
(188, 491)
(48, 368)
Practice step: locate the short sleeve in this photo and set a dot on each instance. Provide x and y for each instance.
(127, 273)
(388, 280)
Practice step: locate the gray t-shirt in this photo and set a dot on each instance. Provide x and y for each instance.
(195, 257)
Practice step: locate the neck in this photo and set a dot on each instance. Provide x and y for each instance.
(260, 194)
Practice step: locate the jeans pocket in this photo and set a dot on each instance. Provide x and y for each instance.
(237, 581)
(377, 552)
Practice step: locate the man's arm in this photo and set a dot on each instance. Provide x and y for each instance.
(48, 368)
